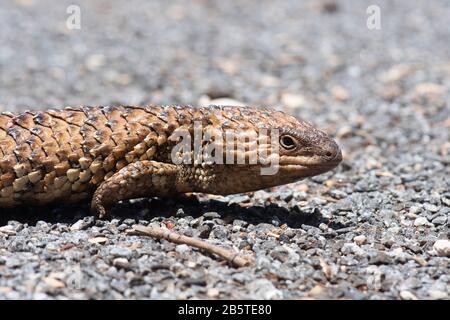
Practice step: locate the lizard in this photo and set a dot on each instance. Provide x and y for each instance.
(112, 153)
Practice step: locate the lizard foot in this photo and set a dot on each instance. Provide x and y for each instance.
(139, 179)
(97, 208)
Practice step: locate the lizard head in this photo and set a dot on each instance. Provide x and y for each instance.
(303, 149)
(292, 150)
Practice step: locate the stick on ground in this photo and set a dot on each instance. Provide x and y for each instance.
(160, 233)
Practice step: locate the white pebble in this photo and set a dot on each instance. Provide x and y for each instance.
(182, 248)
(421, 221)
(350, 247)
(8, 230)
(77, 225)
(121, 263)
(431, 207)
(442, 247)
(360, 240)
(406, 295)
(438, 295)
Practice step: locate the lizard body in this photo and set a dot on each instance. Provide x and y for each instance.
(109, 154)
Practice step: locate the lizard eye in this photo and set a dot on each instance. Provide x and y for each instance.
(287, 142)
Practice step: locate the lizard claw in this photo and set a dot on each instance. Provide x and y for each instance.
(98, 209)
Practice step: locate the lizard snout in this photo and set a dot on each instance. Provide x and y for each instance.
(332, 152)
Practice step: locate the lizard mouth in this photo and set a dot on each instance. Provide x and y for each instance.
(306, 166)
(297, 170)
(311, 162)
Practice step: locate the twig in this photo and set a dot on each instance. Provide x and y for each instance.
(160, 233)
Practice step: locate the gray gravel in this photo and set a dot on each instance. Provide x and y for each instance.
(375, 228)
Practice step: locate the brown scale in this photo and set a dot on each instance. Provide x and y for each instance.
(45, 140)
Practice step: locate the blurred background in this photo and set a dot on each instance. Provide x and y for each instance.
(293, 53)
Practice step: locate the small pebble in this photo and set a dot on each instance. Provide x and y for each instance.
(54, 283)
(121, 252)
(441, 220)
(360, 240)
(204, 231)
(212, 293)
(182, 248)
(98, 240)
(8, 230)
(406, 295)
(421, 221)
(211, 215)
(121, 263)
(438, 295)
(442, 248)
(82, 224)
(431, 207)
(180, 213)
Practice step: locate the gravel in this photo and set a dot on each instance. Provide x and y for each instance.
(374, 228)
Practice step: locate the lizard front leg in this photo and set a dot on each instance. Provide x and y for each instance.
(138, 179)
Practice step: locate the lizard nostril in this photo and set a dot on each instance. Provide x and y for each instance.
(332, 152)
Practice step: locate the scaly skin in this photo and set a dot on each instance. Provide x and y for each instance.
(116, 153)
